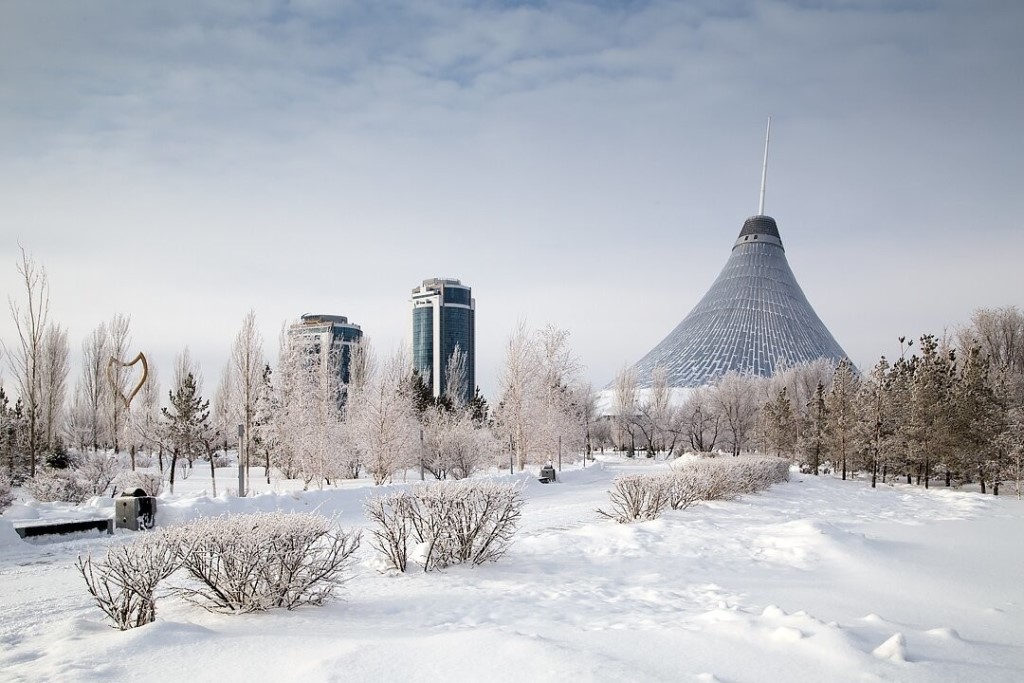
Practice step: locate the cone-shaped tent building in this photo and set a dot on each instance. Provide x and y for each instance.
(754, 318)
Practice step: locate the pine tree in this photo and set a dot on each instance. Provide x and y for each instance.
(814, 428)
(931, 408)
(479, 409)
(977, 415)
(187, 422)
(840, 405)
(874, 428)
(779, 423)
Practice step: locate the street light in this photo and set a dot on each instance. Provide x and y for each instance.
(241, 466)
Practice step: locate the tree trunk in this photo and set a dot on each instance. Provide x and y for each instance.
(174, 466)
(213, 474)
(844, 466)
(995, 488)
(927, 471)
(981, 477)
(874, 473)
(949, 478)
(131, 452)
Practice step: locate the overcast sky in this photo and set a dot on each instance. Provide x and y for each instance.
(587, 164)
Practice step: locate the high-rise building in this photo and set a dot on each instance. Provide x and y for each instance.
(443, 317)
(323, 335)
(754, 319)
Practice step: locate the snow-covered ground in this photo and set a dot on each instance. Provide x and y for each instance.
(813, 580)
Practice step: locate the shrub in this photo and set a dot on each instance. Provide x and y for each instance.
(96, 472)
(47, 487)
(129, 480)
(6, 494)
(456, 522)
(124, 583)
(636, 497)
(392, 514)
(255, 562)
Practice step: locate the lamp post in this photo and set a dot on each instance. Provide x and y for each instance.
(241, 465)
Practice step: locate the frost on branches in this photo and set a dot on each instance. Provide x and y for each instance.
(124, 583)
(449, 523)
(256, 562)
(640, 497)
(236, 564)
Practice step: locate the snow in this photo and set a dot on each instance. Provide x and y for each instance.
(815, 579)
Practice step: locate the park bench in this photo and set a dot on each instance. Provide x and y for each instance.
(64, 526)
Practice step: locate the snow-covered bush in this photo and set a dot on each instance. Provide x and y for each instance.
(457, 522)
(392, 514)
(129, 480)
(636, 497)
(47, 487)
(6, 494)
(124, 583)
(96, 471)
(255, 562)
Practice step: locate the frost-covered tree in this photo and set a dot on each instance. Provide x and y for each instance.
(307, 420)
(626, 400)
(517, 417)
(146, 421)
(91, 390)
(735, 399)
(841, 411)
(54, 369)
(380, 418)
(780, 424)
(931, 407)
(812, 441)
(117, 380)
(700, 420)
(26, 357)
(874, 427)
(222, 433)
(247, 364)
(977, 417)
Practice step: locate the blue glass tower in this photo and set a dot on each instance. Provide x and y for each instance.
(443, 317)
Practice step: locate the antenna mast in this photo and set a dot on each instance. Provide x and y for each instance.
(764, 168)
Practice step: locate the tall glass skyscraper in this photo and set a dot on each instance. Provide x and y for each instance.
(323, 335)
(443, 317)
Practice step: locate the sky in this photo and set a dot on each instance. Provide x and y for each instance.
(583, 164)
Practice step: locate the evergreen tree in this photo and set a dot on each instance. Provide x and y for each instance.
(780, 423)
(479, 409)
(931, 408)
(814, 428)
(874, 427)
(187, 422)
(977, 416)
(841, 412)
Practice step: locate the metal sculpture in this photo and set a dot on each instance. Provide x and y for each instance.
(112, 377)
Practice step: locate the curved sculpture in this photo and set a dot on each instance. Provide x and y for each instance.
(112, 377)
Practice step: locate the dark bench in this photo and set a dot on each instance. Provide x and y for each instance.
(65, 526)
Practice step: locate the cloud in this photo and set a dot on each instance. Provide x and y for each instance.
(581, 162)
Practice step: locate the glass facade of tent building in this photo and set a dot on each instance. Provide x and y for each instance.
(754, 319)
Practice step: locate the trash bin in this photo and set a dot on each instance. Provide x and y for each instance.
(547, 474)
(135, 511)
